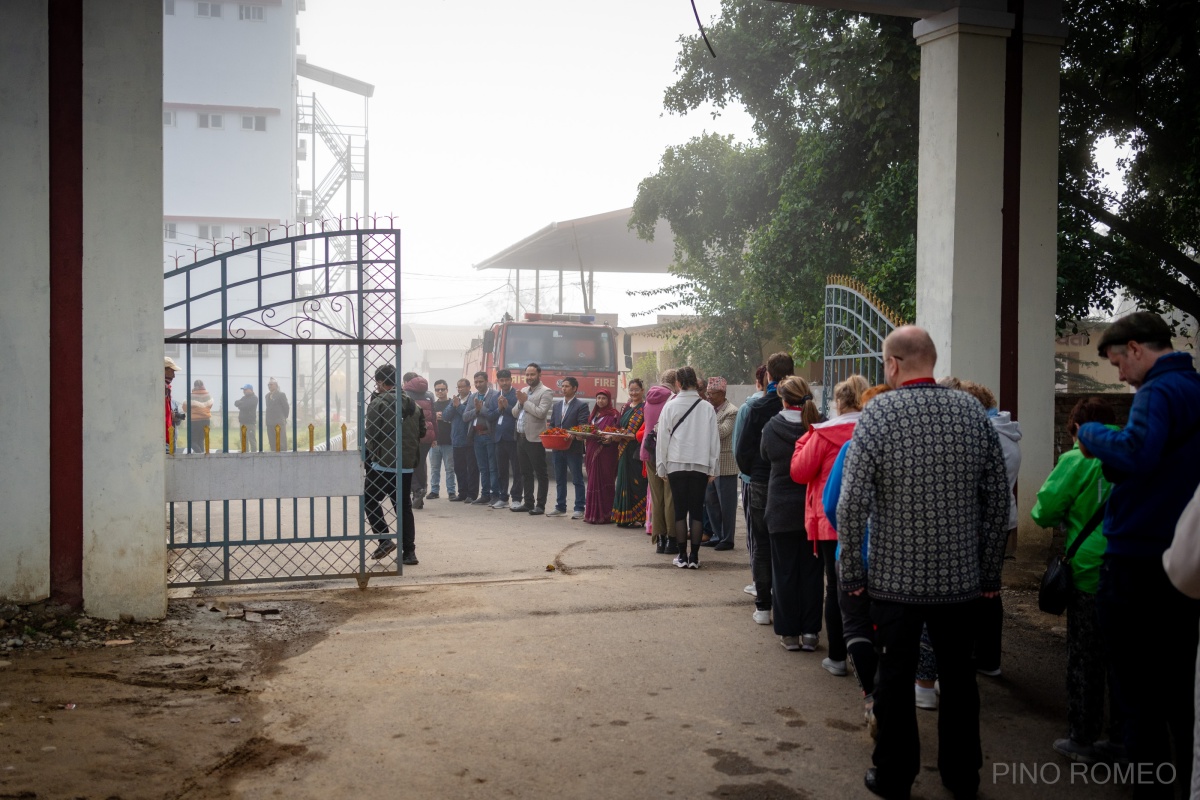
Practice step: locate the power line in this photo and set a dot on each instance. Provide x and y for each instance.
(459, 305)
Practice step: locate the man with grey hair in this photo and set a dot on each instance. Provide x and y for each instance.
(1154, 470)
(926, 469)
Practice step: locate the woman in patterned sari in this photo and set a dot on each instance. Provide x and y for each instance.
(629, 505)
(601, 460)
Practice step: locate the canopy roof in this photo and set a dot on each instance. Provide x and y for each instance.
(599, 243)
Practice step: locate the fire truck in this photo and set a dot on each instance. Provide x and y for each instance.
(561, 344)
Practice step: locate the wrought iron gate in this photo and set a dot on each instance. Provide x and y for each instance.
(277, 344)
(856, 323)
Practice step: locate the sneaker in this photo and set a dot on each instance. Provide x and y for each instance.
(762, 616)
(499, 504)
(1075, 751)
(808, 642)
(577, 515)
(418, 502)
(385, 546)
(869, 716)
(521, 507)
(432, 495)
(484, 500)
(557, 513)
(410, 560)
(751, 590)
(789, 642)
(710, 543)
(680, 561)
(694, 563)
(723, 546)
(837, 668)
(536, 511)
(926, 698)
(994, 672)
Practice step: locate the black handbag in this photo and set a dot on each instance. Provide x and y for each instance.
(1056, 582)
(650, 440)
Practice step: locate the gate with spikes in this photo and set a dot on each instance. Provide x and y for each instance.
(278, 345)
(856, 323)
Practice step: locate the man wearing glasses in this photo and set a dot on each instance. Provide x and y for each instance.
(442, 451)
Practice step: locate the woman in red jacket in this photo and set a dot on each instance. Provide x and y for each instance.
(812, 460)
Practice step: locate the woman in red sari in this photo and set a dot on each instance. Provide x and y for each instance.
(600, 459)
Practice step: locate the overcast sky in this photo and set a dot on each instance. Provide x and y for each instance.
(491, 120)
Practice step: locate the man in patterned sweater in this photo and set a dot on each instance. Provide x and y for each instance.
(925, 467)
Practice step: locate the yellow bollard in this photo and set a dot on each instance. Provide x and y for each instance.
(206, 429)
(343, 436)
(243, 438)
(311, 432)
(277, 430)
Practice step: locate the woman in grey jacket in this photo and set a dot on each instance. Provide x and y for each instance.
(796, 575)
(688, 455)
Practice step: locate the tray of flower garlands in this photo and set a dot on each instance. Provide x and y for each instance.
(556, 439)
(617, 433)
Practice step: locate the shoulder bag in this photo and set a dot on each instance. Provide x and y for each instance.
(1056, 583)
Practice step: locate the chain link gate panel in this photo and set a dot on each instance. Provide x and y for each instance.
(277, 346)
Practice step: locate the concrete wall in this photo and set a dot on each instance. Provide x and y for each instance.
(25, 304)
(124, 552)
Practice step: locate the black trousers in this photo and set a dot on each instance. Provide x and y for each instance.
(1137, 604)
(379, 485)
(466, 471)
(897, 755)
(687, 489)
(420, 475)
(532, 457)
(508, 465)
(759, 542)
(796, 584)
(833, 610)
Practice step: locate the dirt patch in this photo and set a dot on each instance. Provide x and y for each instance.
(152, 709)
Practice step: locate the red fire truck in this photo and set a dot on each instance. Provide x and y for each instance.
(562, 344)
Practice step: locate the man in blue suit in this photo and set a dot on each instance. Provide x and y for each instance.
(569, 412)
(481, 412)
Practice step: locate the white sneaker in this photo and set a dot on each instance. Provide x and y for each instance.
(577, 515)
(762, 616)
(926, 698)
(834, 667)
(680, 561)
(751, 590)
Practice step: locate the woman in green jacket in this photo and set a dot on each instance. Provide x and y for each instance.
(1069, 498)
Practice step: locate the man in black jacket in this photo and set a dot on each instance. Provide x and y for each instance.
(751, 462)
(247, 406)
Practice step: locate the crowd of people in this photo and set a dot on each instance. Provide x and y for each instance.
(886, 524)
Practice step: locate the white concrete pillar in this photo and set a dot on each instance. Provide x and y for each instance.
(1038, 261)
(124, 568)
(960, 188)
(25, 304)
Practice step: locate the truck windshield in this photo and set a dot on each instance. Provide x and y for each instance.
(559, 347)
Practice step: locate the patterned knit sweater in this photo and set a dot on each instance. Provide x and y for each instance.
(926, 468)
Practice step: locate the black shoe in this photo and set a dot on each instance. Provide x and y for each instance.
(385, 547)
(723, 546)
(484, 500)
(871, 781)
(537, 511)
(526, 509)
(660, 544)
(410, 559)
(672, 547)
(418, 502)
(432, 496)
(452, 497)
(710, 543)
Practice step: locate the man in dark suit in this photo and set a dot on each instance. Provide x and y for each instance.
(569, 412)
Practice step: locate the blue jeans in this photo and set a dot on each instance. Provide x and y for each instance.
(441, 454)
(485, 457)
(721, 502)
(564, 460)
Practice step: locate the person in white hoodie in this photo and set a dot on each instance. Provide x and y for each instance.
(688, 456)
(991, 609)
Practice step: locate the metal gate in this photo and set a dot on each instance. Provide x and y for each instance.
(277, 344)
(856, 323)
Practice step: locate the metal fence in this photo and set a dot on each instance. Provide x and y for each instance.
(856, 323)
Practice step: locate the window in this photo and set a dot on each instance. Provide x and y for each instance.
(173, 350)
(249, 350)
(211, 10)
(169, 7)
(210, 231)
(168, 119)
(252, 13)
(210, 120)
(206, 349)
(250, 123)
(168, 230)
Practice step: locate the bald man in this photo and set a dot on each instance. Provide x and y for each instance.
(925, 467)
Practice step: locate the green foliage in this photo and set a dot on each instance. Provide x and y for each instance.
(645, 367)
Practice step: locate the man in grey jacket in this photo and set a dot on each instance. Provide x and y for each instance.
(925, 467)
(533, 414)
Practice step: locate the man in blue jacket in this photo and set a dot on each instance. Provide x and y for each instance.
(506, 443)
(481, 412)
(465, 468)
(569, 412)
(1154, 469)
